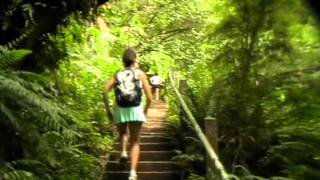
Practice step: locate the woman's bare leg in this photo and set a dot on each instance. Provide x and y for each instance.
(157, 93)
(135, 128)
(123, 138)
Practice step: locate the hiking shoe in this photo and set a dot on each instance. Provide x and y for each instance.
(131, 177)
(123, 159)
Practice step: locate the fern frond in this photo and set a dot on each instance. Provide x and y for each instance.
(297, 146)
(30, 76)
(280, 178)
(31, 85)
(301, 128)
(12, 57)
(18, 175)
(8, 114)
(242, 169)
(244, 173)
(233, 177)
(16, 91)
(51, 137)
(70, 135)
(254, 177)
(26, 164)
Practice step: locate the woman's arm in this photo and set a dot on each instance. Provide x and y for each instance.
(106, 91)
(109, 85)
(147, 90)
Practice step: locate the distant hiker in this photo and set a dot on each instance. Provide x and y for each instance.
(155, 81)
(129, 113)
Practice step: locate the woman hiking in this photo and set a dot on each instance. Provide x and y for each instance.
(129, 113)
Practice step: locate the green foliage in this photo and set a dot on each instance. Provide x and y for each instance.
(22, 98)
(12, 57)
(195, 177)
(260, 81)
(51, 137)
(258, 72)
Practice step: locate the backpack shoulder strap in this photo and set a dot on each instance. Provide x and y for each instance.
(116, 75)
(135, 78)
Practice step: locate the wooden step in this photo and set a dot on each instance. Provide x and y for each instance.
(155, 151)
(156, 116)
(150, 146)
(152, 118)
(154, 133)
(155, 110)
(158, 106)
(149, 126)
(155, 146)
(147, 155)
(156, 121)
(149, 138)
(149, 175)
(143, 166)
(155, 124)
(153, 138)
(154, 129)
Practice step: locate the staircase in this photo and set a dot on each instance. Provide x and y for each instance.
(155, 152)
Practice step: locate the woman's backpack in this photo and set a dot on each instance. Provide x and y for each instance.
(127, 88)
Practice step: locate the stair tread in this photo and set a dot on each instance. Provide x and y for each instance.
(154, 135)
(155, 150)
(170, 151)
(148, 143)
(154, 175)
(144, 166)
(144, 172)
(148, 162)
(147, 155)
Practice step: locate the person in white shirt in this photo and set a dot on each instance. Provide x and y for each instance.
(155, 81)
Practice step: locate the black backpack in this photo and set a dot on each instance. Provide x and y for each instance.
(127, 88)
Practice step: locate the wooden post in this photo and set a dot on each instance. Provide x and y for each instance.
(183, 86)
(175, 78)
(211, 131)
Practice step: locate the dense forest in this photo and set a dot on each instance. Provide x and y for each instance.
(252, 64)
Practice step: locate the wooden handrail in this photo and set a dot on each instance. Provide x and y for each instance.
(211, 153)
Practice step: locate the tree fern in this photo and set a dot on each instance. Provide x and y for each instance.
(24, 109)
(17, 92)
(21, 93)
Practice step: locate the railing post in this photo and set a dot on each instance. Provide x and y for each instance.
(175, 78)
(183, 86)
(211, 131)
